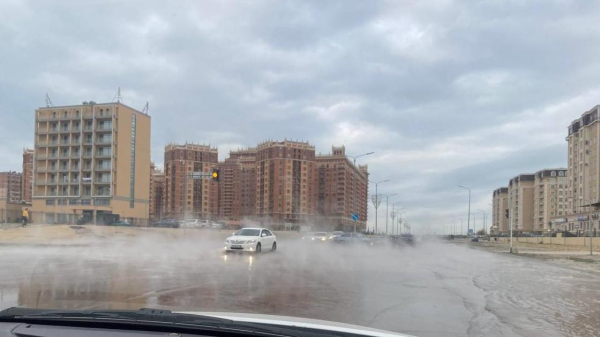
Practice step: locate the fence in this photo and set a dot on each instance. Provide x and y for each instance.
(14, 216)
(563, 241)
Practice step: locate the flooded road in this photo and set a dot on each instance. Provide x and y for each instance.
(434, 289)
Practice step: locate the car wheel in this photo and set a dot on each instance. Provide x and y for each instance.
(258, 248)
(274, 248)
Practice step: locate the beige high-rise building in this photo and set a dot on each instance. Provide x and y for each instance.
(27, 178)
(499, 207)
(584, 171)
(549, 197)
(342, 190)
(520, 202)
(286, 190)
(91, 161)
(185, 197)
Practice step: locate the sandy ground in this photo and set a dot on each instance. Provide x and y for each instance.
(575, 257)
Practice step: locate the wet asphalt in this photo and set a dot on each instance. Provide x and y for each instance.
(432, 289)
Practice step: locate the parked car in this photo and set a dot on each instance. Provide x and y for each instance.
(251, 240)
(167, 223)
(123, 223)
(402, 240)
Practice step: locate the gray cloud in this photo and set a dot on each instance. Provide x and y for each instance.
(445, 93)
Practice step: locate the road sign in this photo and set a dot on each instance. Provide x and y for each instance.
(470, 230)
(355, 217)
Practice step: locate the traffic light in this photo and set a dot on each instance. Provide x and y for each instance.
(215, 175)
(506, 213)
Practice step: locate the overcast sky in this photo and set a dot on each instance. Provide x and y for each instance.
(444, 92)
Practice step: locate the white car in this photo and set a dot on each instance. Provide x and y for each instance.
(251, 240)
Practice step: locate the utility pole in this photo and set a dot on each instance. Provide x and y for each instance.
(387, 208)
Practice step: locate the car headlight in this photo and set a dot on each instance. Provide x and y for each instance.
(251, 241)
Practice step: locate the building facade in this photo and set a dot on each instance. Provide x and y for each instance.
(157, 193)
(286, 190)
(342, 191)
(499, 207)
(10, 187)
(237, 186)
(520, 202)
(549, 197)
(186, 197)
(583, 194)
(91, 161)
(27, 178)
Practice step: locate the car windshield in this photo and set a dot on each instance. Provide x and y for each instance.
(247, 232)
(403, 155)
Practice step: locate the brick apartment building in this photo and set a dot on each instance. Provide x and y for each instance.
(27, 178)
(286, 184)
(187, 198)
(157, 193)
(10, 187)
(342, 190)
(237, 186)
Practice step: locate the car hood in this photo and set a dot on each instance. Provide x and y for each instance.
(301, 323)
(243, 237)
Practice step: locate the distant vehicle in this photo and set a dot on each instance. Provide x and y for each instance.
(335, 234)
(202, 224)
(402, 240)
(251, 240)
(123, 223)
(316, 237)
(352, 238)
(216, 225)
(475, 239)
(167, 223)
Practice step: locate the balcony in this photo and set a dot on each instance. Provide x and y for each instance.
(103, 154)
(103, 141)
(64, 169)
(74, 169)
(87, 141)
(41, 156)
(104, 128)
(104, 115)
(86, 180)
(74, 156)
(87, 155)
(103, 168)
(102, 181)
(51, 182)
(64, 156)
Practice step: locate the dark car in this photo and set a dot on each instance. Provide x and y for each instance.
(167, 223)
(402, 240)
(350, 238)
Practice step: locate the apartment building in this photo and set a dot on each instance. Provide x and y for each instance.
(520, 202)
(237, 186)
(157, 193)
(91, 161)
(342, 190)
(10, 187)
(499, 207)
(286, 188)
(549, 197)
(27, 178)
(584, 171)
(185, 197)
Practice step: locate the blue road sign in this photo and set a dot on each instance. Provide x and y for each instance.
(355, 217)
(470, 230)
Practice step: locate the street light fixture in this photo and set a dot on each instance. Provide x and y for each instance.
(361, 155)
(376, 201)
(399, 214)
(469, 212)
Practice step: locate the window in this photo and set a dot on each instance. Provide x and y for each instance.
(49, 202)
(102, 202)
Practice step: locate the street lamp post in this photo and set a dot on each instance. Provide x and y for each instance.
(387, 208)
(399, 221)
(484, 214)
(469, 212)
(361, 155)
(394, 214)
(376, 201)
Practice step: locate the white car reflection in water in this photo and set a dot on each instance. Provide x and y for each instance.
(251, 240)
